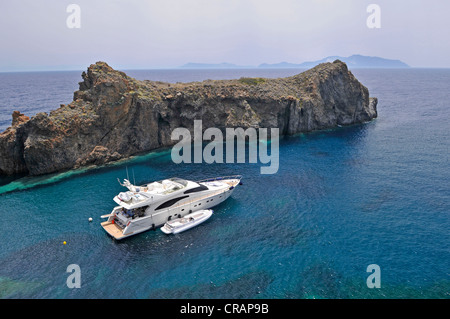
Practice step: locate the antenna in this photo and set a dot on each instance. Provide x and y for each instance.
(134, 181)
(127, 172)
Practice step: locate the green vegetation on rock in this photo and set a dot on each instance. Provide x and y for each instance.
(252, 81)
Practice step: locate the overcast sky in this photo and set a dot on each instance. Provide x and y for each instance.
(168, 33)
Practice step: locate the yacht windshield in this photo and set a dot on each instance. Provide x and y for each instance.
(178, 180)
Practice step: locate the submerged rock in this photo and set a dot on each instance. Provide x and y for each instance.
(114, 116)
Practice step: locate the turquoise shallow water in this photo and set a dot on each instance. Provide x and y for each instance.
(343, 199)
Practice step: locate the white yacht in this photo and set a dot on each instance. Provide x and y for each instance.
(151, 205)
(179, 225)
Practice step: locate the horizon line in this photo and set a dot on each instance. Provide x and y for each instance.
(213, 68)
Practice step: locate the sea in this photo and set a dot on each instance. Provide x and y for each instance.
(348, 208)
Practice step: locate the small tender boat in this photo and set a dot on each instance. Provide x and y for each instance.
(188, 221)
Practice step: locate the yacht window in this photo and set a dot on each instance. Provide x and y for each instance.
(196, 189)
(170, 202)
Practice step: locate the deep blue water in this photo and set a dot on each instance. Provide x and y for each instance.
(376, 193)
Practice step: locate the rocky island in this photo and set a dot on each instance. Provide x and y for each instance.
(113, 116)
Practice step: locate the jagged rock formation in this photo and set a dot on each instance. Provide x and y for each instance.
(114, 116)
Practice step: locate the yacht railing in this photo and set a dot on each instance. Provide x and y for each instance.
(220, 178)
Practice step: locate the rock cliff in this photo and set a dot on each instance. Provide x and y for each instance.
(114, 116)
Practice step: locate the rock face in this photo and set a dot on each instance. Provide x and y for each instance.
(114, 116)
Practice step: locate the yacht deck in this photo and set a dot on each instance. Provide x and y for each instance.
(112, 229)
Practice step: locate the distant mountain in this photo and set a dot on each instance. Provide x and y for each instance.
(354, 61)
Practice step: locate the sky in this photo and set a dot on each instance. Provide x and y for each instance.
(140, 34)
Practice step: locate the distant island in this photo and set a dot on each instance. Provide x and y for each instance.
(353, 61)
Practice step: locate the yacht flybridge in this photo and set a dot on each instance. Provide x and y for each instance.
(151, 205)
